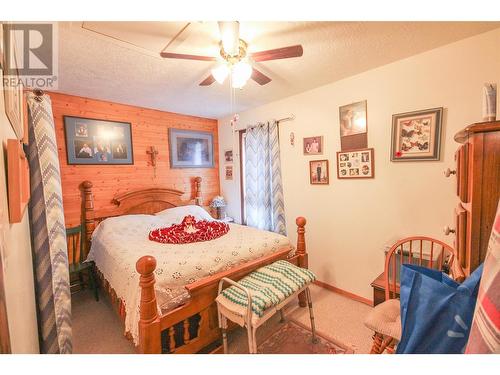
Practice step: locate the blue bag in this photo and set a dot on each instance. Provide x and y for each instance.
(436, 311)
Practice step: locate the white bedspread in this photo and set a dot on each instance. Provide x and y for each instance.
(117, 244)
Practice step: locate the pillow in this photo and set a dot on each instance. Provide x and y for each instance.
(176, 214)
(124, 220)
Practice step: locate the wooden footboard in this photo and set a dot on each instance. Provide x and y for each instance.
(193, 326)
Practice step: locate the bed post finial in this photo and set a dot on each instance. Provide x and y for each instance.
(88, 212)
(301, 239)
(197, 191)
(149, 322)
(301, 252)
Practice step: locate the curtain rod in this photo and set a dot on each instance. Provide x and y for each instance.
(289, 118)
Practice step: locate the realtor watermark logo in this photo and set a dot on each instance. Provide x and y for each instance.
(31, 55)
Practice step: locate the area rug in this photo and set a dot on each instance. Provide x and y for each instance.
(293, 338)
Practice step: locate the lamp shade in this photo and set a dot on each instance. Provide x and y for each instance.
(241, 72)
(220, 73)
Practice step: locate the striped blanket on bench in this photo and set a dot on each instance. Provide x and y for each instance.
(268, 286)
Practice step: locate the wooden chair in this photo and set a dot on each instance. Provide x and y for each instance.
(77, 266)
(385, 318)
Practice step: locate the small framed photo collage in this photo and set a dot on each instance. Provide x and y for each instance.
(355, 164)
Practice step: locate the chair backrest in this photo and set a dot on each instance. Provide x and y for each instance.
(76, 247)
(423, 251)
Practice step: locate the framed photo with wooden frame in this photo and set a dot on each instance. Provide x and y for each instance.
(319, 173)
(228, 156)
(13, 93)
(313, 145)
(357, 163)
(416, 136)
(228, 172)
(1, 45)
(18, 180)
(353, 119)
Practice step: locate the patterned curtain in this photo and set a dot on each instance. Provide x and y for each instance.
(264, 205)
(48, 234)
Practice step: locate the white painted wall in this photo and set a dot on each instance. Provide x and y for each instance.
(350, 221)
(17, 260)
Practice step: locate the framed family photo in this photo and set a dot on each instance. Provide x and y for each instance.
(91, 141)
(228, 156)
(191, 149)
(356, 163)
(228, 172)
(416, 136)
(353, 119)
(313, 145)
(318, 172)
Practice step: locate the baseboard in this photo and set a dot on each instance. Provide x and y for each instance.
(343, 292)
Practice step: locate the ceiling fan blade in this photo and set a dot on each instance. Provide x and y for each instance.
(169, 55)
(260, 77)
(177, 37)
(278, 53)
(208, 81)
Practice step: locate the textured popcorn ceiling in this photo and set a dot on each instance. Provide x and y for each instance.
(120, 62)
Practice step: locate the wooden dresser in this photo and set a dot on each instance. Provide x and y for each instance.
(478, 189)
(477, 175)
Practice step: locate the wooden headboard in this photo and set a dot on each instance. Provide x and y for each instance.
(143, 201)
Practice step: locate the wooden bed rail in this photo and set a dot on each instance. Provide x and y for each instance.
(202, 293)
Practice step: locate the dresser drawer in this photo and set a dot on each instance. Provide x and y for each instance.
(461, 160)
(462, 217)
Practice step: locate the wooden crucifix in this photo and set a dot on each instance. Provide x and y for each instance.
(153, 153)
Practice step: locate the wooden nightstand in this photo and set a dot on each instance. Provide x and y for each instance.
(379, 289)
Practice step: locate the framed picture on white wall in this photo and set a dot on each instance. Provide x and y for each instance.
(416, 136)
(229, 172)
(318, 172)
(353, 119)
(356, 163)
(228, 156)
(313, 145)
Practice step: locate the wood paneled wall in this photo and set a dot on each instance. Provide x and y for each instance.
(149, 128)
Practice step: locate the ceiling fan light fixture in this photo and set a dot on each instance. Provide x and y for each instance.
(230, 37)
(241, 73)
(220, 73)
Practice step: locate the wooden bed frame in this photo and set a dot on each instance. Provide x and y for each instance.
(193, 326)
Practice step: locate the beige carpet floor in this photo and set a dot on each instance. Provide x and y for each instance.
(98, 329)
(339, 317)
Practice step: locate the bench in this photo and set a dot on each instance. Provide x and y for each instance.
(254, 299)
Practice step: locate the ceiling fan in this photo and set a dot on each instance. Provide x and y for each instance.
(234, 61)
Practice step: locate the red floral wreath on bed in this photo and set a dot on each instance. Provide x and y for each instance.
(189, 231)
